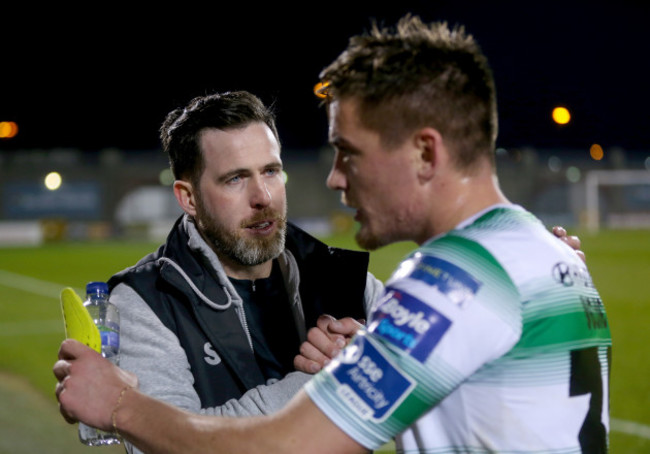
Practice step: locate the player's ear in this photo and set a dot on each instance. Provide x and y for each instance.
(184, 192)
(429, 146)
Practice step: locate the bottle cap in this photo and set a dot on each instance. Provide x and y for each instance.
(97, 287)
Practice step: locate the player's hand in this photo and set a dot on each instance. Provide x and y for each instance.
(324, 342)
(571, 240)
(89, 385)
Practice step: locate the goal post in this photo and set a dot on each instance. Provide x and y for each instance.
(597, 179)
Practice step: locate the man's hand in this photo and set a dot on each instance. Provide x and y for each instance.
(572, 240)
(324, 342)
(89, 386)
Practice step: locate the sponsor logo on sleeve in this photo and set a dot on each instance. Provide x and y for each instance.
(410, 324)
(369, 383)
(454, 282)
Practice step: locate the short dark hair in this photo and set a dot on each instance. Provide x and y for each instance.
(180, 132)
(416, 75)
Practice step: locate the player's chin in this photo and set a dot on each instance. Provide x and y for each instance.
(368, 240)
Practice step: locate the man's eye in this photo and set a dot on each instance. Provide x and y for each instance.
(345, 155)
(344, 151)
(233, 180)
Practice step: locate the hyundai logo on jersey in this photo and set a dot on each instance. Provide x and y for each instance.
(407, 322)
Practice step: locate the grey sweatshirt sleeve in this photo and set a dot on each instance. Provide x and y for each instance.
(152, 352)
(374, 291)
(263, 399)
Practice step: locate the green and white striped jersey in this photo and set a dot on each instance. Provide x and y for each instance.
(490, 338)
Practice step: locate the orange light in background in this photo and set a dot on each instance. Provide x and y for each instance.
(596, 152)
(320, 89)
(8, 129)
(561, 115)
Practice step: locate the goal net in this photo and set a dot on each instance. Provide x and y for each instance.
(617, 199)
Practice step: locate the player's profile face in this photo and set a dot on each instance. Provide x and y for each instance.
(377, 182)
(241, 201)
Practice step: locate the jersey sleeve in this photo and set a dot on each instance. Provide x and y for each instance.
(448, 310)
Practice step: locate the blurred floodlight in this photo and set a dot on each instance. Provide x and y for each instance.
(166, 177)
(561, 115)
(554, 164)
(53, 181)
(573, 174)
(8, 129)
(596, 152)
(285, 176)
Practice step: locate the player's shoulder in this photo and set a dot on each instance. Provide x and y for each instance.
(496, 243)
(511, 221)
(507, 231)
(461, 267)
(456, 259)
(515, 239)
(479, 237)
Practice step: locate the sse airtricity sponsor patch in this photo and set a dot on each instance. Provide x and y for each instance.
(369, 383)
(450, 280)
(405, 321)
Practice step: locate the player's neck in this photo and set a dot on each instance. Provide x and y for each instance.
(460, 199)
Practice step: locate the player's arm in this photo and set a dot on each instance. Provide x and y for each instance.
(93, 390)
(300, 427)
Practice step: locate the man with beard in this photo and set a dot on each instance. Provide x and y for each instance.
(224, 305)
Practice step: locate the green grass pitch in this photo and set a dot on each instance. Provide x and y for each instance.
(31, 329)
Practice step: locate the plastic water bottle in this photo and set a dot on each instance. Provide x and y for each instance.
(107, 319)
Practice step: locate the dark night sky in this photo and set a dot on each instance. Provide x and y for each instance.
(106, 77)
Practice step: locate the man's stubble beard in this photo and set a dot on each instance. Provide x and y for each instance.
(368, 241)
(245, 251)
(363, 237)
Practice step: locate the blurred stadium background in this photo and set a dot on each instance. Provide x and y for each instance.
(66, 194)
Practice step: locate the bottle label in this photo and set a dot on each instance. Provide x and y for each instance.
(110, 339)
(110, 334)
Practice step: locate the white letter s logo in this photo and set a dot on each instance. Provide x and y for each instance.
(212, 358)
